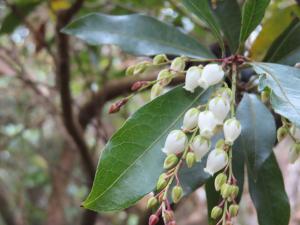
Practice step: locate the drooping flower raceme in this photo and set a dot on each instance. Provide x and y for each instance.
(211, 75)
(207, 123)
(191, 78)
(175, 142)
(220, 107)
(232, 130)
(217, 160)
(200, 146)
(190, 119)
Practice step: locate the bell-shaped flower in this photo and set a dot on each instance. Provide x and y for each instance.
(207, 123)
(216, 160)
(295, 131)
(191, 78)
(200, 146)
(190, 119)
(211, 75)
(220, 107)
(232, 130)
(175, 142)
(178, 64)
(225, 93)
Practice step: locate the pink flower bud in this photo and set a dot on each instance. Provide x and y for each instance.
(117, 105)
(153, 219)
(138, 85)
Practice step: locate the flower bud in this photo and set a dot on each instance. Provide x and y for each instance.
(178, 64)
(152, 203)
(232, 130)
(164, 77)
(153, 219)
(158, 59)
(216, 212)
(220, 107)
(175, 142)
(130, 70)
(234, 191)
(220, 143)
(156, 90)
(192, 76)
(281, 133)
(220, 180)
(211, 75)
(161, 183)
(190, 159)
(200, 146)
(168, 216)
(295, 131)
(139, 84)
(172, 223)
(233, 210)
(177, 194)
(265, 96)
(207, 123)
(190, 119)
(225, 191)
(141, 67)
(170, 161)
(217, 160)
(294, 153)
(117, 105)
(225, 93)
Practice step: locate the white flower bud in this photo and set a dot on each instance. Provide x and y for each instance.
(175, 142)
(211, 75)
(191, 78)
(216, 160)
(207, 123)
(294, 153)
(220, 107)
(232, 130)
(295, 131)
(190, 119)
(156, 90)
(200, 146)
(178, 64)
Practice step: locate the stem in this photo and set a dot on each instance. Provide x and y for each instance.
(224, 213)
(233, 89)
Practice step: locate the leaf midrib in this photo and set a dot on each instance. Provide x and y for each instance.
(250, 21)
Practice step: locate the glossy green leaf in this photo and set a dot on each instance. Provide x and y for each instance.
(252, 14)
(284, 82)
(268, 194)
(286, 48)
(132, 160)
(201, 8)
(136, 34)
(258, 132)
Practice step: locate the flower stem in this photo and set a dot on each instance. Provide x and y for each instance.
(233, 89)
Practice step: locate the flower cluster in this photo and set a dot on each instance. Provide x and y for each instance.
(193, 141)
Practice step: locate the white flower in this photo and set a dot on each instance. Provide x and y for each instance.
(225, 93)
(190, 119)
(294, 152)
(216, 160)
(178, 64)
(175, 142)
(207, 122)
(211, 75)
(295, 131)
(220, 107)
(191, 78)
(200, 146)
(232, 130)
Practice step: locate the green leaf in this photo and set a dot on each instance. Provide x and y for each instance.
(268, 194)
(201, 8)
(284, 81)
(258, 132)
(11, 21)
(286, 48)
(136, 34)
(252, 14)
(132, 160)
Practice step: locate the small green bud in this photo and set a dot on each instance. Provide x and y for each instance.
(141, 67)
(158, 59)
(281, 133)
(220, 143)
(178, 64)
(177, 193)
(220, 180)
(152, 203)
(233, 210)
(234, 189)
(164, 77)
(265, 95)
(161, 183)
(190, 159)
(170, 161)
(225, 191)
(216, 212)
(156, 90)
(130, 70)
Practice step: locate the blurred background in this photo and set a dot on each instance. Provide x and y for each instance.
(55, 92)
